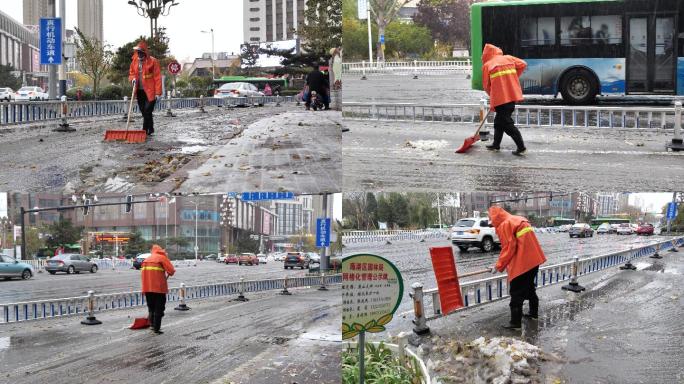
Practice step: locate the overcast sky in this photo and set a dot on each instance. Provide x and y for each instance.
(650, 202)
(122, 24)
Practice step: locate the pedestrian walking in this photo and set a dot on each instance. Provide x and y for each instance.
(145, 76)
(501, 80)
(521, 255)
(156, 270)
(267, 90)
(317, 81)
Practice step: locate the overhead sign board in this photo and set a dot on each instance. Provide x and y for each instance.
(362, 6)
(50, 41)
(671, 210)
(372, 288)
(258, 196)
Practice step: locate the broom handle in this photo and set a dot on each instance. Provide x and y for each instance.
(130, 106)
(482, 123)
(474, 273)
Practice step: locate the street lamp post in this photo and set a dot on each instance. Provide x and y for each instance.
(152, 9)
(213, 66)
(196, 202)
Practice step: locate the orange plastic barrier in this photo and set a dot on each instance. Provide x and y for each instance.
(444, 265)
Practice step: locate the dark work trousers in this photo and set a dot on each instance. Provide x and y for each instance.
(156, 304)
(522, 288)
(146, 108)
(503, 122)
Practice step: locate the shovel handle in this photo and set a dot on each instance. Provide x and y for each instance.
(482, 123)
(130, 107)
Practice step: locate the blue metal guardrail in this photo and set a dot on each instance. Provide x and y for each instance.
(44, 309)
(492, 289)
(35, 111)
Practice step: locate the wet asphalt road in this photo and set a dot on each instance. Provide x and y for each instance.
(35, 158)
(269, 339)
(46, 286)
(400, 156)
(412, 258)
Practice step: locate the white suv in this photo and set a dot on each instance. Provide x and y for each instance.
(474, 232)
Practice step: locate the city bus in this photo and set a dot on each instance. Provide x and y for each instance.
(610, 220)
(585, 48)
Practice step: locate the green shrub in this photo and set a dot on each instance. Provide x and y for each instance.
(382, 367)
(111, 92)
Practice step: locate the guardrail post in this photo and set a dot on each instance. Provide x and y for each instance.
(201, 102)
(125, 110)
(419, 321)
(674, 246)
(277, 101)
(322, 287)
(574, 285)
(169, 112)
(415, 70)
(64, 111)
(628, 265)
(656, 255)
(182, 306)
(90, 319)
(484, 133)
(285, 291)
(402, 342)
(241, 296)
(677, 143)
(363, 70)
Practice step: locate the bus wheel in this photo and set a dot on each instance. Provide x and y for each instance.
(579, 87)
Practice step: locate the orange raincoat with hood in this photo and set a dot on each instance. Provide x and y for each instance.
(151, 73)
(154, 270)
(500, 76)
(520, 250)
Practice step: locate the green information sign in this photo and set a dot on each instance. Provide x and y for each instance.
(372, 289)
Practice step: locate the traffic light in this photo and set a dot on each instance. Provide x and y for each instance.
(129, 203)
(86, 207)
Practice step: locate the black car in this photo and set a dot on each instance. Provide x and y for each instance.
(296, 259)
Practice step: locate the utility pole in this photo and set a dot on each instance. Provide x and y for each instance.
(370, 38)
(439, 213)
(669, 221)
(62, 67)
(52, 70)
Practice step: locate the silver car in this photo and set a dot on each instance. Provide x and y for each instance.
(6, 94)
(70, 263)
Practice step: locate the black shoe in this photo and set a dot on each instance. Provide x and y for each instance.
(513, 327)
(493, 148)
(531, 316)
(520, 152)
(158, 331)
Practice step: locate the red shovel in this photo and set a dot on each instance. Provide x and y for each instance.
(140, 323)
(469, 141)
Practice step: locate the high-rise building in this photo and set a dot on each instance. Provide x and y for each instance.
(90, 18)
(19, 48)
(608, 203)
(34, 10)
(271, 20)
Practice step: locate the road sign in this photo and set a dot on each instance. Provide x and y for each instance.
(174, 67)
(382, 39)
(362, 7)
(671, 210)
(372, 289)
(258, 196)
(322, 232)
(51, 41)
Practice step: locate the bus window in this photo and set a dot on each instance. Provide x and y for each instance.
(585, 30)
(538, 31)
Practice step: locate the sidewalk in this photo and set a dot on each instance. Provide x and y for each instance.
(293, 151)
(269, 339)
(625, 328)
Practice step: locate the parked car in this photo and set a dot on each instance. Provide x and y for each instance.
(262, 258)
(70, 263)
(231, 259)
(604, 228)
(296, 260)
(137, 263)
(237, 90)
(645, 229)
(474, 232)
(279, 256)
(211, 257)
(30, 93)
(624, 229)
(315, 257)
(248, 259)
(11, 267)
(581, 230)
(6, 94)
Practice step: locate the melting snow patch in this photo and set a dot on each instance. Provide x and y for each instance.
(426, 145)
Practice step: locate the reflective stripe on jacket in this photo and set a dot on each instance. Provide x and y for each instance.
(520, 249)
(154, 270)
(501, 76)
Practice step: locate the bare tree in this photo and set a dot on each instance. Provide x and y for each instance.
(94, 58)
(384, 11)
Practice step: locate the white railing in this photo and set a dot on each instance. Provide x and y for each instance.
(43, 309)
(383, 236)
(593, 117)
(408, 67)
